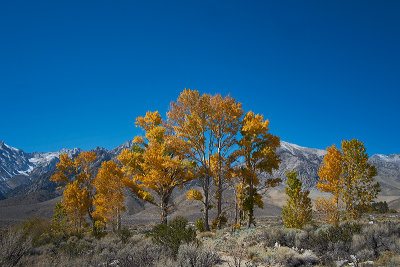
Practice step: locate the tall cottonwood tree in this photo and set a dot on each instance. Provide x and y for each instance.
(191, 118)
(330, 181)
(109, 198)
(225, 125)
(76, 176)
(157, 163)
(257, 148)
(298, 209)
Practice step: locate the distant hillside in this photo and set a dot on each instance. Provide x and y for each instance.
(24, 180)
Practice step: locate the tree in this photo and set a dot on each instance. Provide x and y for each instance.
(59, 223)
(109, 198)
(349, 177)
(359, 186)
(225, 125)
(330, 181)
(157, 163)
(191, 118)
(298, 209)
(257, 149)
(76, 177)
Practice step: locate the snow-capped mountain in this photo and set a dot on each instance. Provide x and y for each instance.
(18, 167)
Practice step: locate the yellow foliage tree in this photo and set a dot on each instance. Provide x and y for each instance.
(191, 117)
(76, 176)
(330, 181)
(226, 115)
(257, 149)
(109, 198)
(157, 163)
(349, 177)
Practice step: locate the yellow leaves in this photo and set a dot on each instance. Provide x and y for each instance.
(148, 122)
(138, 140)
(327, 210)
(86, 157)
(158, 161)
(349, 177)
(330, 172)
(109, 184)
(193, 194)
(76, 176)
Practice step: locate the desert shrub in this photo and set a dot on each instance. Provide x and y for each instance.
(191, 255)
(14, 244)
(171, 236)
(285, 256)
(200, 225)
(282, 236)
(142, 254)
(379, 237)
(388, 258)
(39, 231)
(75, 247)
(124, 234)
(336, 239)
(221, 219)
(206, 235)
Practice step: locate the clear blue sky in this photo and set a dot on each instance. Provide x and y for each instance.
(78, 73)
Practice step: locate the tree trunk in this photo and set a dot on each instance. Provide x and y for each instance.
(206, 186)
(219, 189)
(251, 208)
(118, 220)
(164, 209)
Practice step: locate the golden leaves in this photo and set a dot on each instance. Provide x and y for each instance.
(193, 194)
(349, 177)
(109, 184)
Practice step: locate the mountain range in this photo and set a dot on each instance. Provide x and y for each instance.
(24, 177)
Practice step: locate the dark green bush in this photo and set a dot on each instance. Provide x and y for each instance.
(171, 236)
(124, 234)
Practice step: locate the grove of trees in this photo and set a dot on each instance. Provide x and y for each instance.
(210, 139)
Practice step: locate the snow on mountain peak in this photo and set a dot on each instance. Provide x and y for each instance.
(292, 148)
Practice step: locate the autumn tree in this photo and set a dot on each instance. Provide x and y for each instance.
(349, 177)
(330, 181)
(359, 185)
(226, 115)
(76, 176)
(298, 209)
(109, 198)
(257, 149)
(157, 163)
(191, 118)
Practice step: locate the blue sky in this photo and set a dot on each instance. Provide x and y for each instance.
(78, 73)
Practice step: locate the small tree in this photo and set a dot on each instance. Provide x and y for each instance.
(59, 223)
(109, 184)
(257, 151)
(298, 210)
(76, 176)
(359, 185)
